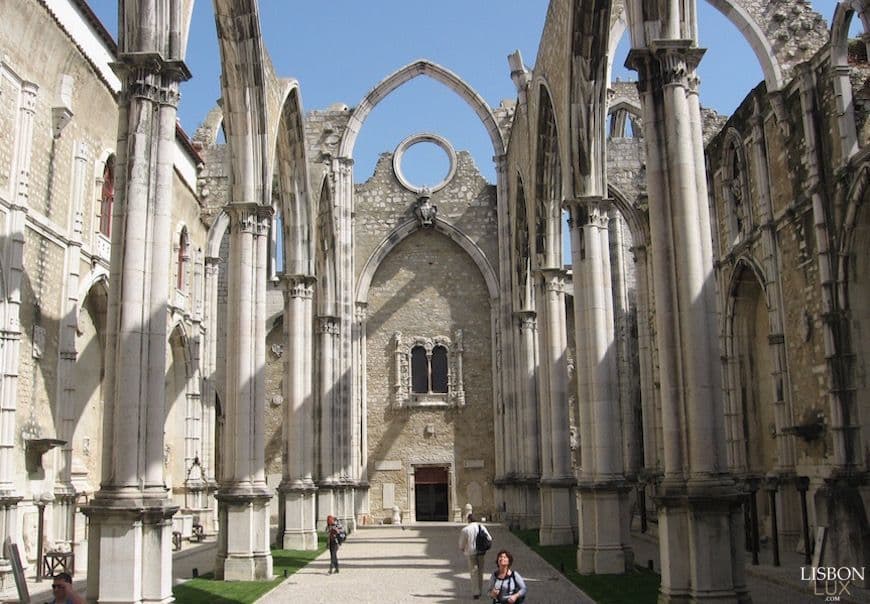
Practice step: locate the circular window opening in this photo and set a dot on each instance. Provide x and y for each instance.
(425, 164)
(424, 161)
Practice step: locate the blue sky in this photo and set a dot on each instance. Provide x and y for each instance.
(340, 49)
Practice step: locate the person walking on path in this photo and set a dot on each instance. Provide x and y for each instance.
(468, 546)
(333, 541)
(506, 586)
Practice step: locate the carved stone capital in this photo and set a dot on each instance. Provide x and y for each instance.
(527, 319)
(328, 324)
(299, 286)
(553, 278)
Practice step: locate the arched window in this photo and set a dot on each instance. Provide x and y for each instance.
(439, 369)
(107, 196)
(736, 190)
(419, 370)
(183, 259)
(428, 371)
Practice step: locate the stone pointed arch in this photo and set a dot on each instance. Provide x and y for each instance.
(841, 73)
(405, 230)
(326, 262)
(857, 196)
(244, 99)
(591, 25)
(291, 177)
(756, 38)
(638, 224)
(407, 73)
(216, 234)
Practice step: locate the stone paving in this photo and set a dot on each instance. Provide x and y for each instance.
(420, 563)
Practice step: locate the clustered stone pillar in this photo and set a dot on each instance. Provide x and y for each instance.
(556, 476)
(64, 491)
(210, 306)
(130, 532)
(603, 506)
(328, 488)
(297, 487)
(527, 395)
(243, 496)
(700, 518)
(10, 331)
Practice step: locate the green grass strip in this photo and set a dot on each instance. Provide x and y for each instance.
(207, 590)
(639, 587)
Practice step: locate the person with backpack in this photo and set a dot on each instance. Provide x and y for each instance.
(474, 541)
(506, 586)
(334, 538)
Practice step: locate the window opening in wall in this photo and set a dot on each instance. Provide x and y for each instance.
(107, 196)
(428, 371)
(419, 370)
(183, 258)
(439, 369)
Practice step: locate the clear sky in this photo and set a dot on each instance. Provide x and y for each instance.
(340, 49)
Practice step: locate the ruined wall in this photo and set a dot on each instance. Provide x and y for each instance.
(428, 286)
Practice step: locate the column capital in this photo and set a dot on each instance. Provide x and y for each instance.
(554, 278)
(527, 319)
(329, 324)
(244, 216)
(666, 63)
(150, 76)
(343, 165)
(361, 311)
(299, 286)
(28, 96)
(591, 210)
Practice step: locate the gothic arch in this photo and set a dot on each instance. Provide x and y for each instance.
(325, 253)
(403, 231)
(521, 249)
(244, 99)
(735, 177)
(749, 383)
(291, 176)
(856, 198)
(638, 225)
(548, 182)
(216, 234)
(405, 74)
(841, 71)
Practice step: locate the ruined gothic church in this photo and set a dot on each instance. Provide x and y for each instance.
(228, 331)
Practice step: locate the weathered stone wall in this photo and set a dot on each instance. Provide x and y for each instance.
(429, 286)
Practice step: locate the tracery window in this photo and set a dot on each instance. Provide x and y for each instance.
(736, 191)
(107, 196)
(428, 371)
(183, 259)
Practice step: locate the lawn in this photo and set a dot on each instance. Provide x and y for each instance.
(639, 587)
(207, 590)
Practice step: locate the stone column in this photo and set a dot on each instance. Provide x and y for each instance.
(651, 445)
(556, 476)
(130, 538)
(328, 501)
(297, 487)
(209, 395)
(700, 519)
(64, 491)
(243, 496)
(603, 506)
(346, 388)
(10, 333)
(527, 394)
